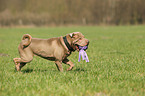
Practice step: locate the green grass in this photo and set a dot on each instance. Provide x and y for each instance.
(116, 67)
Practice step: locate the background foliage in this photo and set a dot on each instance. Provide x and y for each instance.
(77, 12)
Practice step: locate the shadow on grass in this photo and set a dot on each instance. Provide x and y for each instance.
(41, 70)
(79, 70)
(33, 70)
(27, 70)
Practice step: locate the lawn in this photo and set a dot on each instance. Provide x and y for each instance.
(116, 67)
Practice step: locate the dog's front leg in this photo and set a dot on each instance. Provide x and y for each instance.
(59, 65)
(66, 61)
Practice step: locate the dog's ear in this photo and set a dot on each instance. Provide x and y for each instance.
(71, 35)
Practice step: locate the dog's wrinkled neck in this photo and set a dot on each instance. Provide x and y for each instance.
(67, 44)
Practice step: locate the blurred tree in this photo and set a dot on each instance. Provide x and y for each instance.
(45, 12)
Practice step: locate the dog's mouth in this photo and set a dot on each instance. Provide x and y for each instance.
(78, 46)
(81, 43)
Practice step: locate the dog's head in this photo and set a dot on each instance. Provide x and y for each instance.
(78, 39)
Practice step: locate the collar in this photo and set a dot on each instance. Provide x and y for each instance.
(67, 44)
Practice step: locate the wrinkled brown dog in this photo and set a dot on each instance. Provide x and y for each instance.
(55, 49)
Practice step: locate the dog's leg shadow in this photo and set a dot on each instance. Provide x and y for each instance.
(79, 69)
(27, 71)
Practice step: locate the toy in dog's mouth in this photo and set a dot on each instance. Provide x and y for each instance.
(82, 52)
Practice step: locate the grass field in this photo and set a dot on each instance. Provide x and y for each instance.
(116, 67)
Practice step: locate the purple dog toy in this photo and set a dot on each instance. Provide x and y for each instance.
(83, 53)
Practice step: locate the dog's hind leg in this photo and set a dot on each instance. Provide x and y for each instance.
(26, 56)
(18, 65)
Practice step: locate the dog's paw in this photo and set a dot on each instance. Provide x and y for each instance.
(70, 68)
(17, 67)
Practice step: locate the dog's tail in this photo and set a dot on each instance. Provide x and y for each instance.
(26, 40)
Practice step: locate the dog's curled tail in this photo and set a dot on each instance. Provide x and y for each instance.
(26, 40)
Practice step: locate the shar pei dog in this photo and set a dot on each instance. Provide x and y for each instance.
(55, 49)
